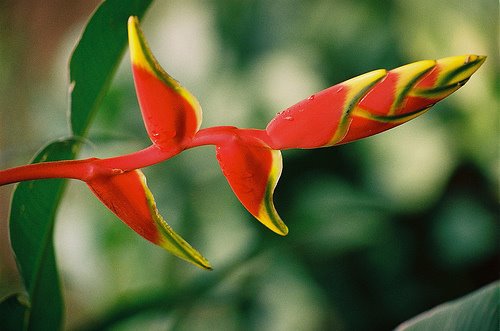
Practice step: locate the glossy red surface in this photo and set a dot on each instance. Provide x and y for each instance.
(168, 117)
(125, 196)
(311, 122)
(246, 164)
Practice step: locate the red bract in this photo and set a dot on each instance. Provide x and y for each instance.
(171, 114)
(250, 159)
(129, 198)
(253, 169)
(370, 103)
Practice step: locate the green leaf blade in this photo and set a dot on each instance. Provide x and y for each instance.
(96, 57)
(34, 206)
(479, 311)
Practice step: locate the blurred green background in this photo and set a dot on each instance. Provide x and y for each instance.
(380, 230)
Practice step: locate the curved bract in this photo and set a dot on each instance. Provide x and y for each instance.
(370, 103)
(250, 159)
(253, 169)
(128, 197)
(170, 112)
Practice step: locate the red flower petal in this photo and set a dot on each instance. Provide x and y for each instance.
(171, 113)
(252, 170)
(129, 198)
(370, 103)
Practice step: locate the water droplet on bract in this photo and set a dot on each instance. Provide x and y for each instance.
(155, 134)
(247, 174)
(311, 97)
(289, 118)
(301, 110)
(246, 189)
(279, 113)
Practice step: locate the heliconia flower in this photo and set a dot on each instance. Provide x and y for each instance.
(171, 113)
(250, 159)
(129, 198)
(370, 103)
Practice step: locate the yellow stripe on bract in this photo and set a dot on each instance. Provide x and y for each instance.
(194, 103)
(453, 72)
(169, 239)
(137, 45)
(394, 119)
(141, 56)
(408, 76)
(268, 214)
(455, 69)
(357, 89)
(437, 93)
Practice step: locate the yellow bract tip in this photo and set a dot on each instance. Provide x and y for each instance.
(455, 69)
(139, 50)
(267, 214)
(168, 238)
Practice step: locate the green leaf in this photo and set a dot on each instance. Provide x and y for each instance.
(479, 311)
(12, 311)
(96, 57)
(34, 206)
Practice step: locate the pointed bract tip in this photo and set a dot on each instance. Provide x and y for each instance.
(139, 50)
(270, 218)
(133, 20)
(128, 197)
(283, 231)
(457, 69)
(171, 114)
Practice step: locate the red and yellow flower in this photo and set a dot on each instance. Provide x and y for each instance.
(250, 159)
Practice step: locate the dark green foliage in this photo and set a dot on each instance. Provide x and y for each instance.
(97, 56)
(32, 217)
(479, 311)
(34, 204)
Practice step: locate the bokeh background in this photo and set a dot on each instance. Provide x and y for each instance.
(380, 230)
